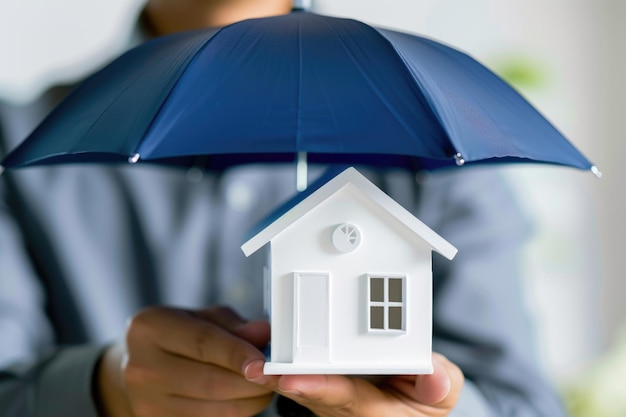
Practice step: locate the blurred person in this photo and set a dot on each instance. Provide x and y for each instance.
(85, 248)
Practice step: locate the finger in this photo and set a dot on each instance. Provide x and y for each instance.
(184, 334)
(223, 316)
(184, 407)
(254, 373)
(442, 386)
(256, 332)
(440, 389)
(243, 407)
(187, 378)
(334, 394)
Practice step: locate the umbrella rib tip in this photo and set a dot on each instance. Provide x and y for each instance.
(134, 158)
(594, 170)
(458, 158)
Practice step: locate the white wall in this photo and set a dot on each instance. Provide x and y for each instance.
(43, 41)
(607, 67)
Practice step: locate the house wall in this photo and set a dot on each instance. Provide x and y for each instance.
(387, 247)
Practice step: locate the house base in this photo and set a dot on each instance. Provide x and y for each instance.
(272, 368)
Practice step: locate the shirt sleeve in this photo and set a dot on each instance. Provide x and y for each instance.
(480, 319)
(33, 380)
(55, 385)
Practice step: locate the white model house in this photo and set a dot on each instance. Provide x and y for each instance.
(349, 282)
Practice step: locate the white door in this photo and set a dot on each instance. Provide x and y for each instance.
(311, 318)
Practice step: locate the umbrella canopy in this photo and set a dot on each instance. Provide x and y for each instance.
(264, 90)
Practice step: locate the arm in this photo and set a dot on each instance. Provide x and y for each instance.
(57, 384)
(59, 381)
(29, 370)
(172, 360)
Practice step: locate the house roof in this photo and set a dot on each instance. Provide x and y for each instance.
(317, 193)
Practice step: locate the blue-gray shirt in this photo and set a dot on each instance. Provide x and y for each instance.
(82, 248)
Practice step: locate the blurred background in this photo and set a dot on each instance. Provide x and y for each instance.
(565, 56)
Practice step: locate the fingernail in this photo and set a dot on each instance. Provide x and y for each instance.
(253, 372)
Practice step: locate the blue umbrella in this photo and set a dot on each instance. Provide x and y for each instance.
(266, 90)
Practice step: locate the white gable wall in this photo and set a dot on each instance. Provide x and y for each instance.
(387, 247)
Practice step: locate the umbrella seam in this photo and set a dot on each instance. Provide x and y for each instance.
(368, 79)
(181, 69)
(169, 73)
(111, 103)
(414, 76)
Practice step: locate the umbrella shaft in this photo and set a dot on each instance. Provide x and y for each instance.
(301, 171)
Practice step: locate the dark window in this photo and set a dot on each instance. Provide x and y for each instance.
(386, 303)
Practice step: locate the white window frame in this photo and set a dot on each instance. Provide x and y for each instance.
(386, 303)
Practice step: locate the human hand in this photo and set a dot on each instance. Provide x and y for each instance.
(342, 396)
(184, 363)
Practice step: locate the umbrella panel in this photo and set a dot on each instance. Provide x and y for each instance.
(264, 90)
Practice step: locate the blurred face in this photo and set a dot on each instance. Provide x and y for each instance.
(229, 11)
(169, 16)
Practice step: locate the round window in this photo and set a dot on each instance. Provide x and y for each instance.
(346, 238)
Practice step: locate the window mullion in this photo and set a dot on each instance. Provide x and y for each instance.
(389, 309)
(386, 303)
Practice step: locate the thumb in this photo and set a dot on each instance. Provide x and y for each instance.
(434, 388)
(440, 389)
